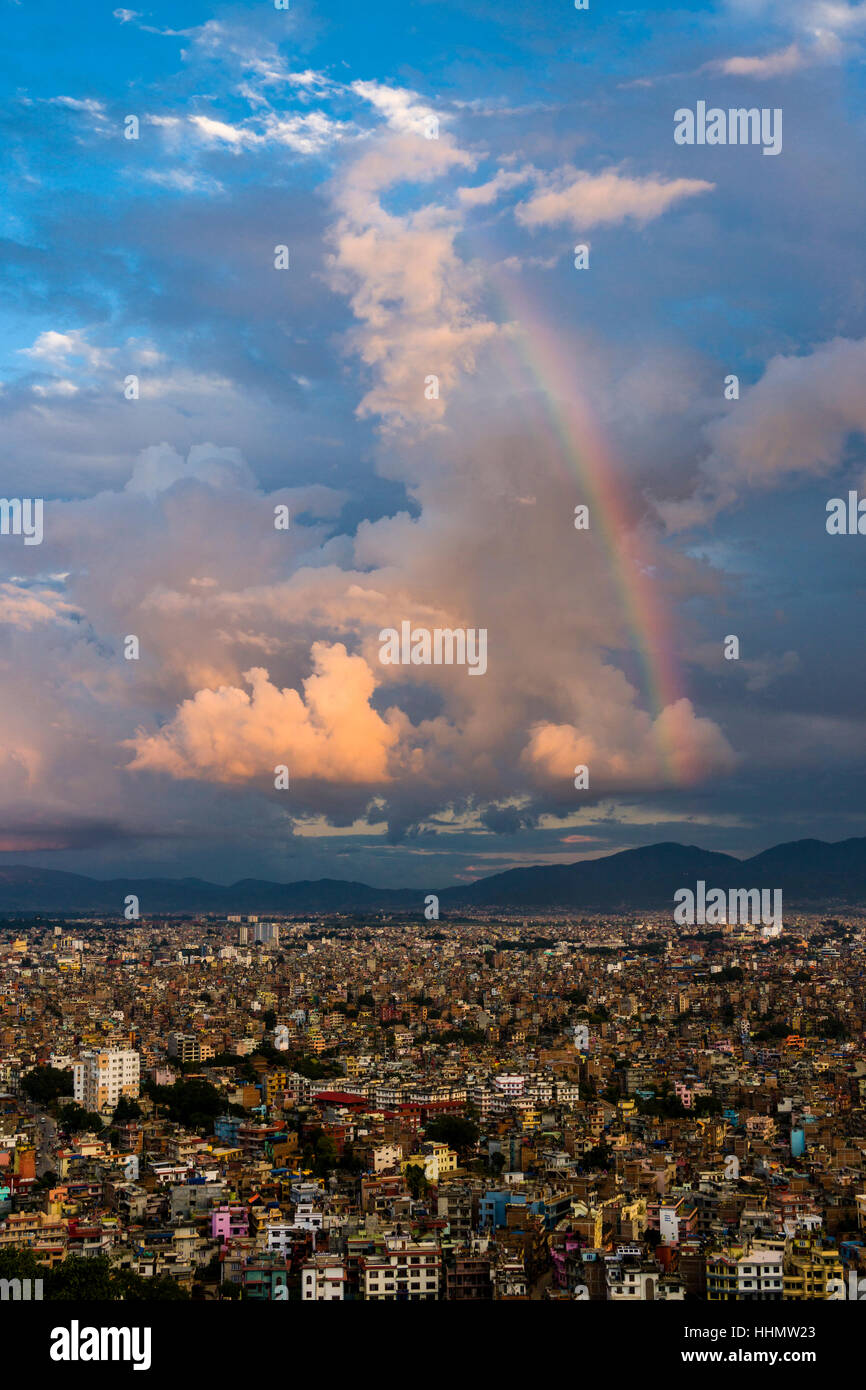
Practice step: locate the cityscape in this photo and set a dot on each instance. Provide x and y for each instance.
(389, 1108)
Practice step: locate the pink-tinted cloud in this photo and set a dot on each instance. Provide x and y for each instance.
(677, 746)
(230, 735)
(584, 200)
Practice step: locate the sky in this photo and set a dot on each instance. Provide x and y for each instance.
(427, 390)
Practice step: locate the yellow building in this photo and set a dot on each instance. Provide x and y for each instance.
(810, 1271)
(436, 1160)
(275, 1081)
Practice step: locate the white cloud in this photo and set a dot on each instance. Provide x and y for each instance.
(60, 386)
(413, 295)
(404, 110)
(777, 64)
(308, 134)
(55, 349)
(89, 105)
(589, 200)
(232, 135)
(181, 180)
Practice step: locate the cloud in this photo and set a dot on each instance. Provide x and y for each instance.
(54, 349)
(228, 735)
(589, 200)
(181, 180)
(483, 194)
(762, 671)
(89, 105)
(223, 131)
(403, 109)
(308, 134)
(798, 417)
(413, 295)
(27, 607)
(160, 467)
(58, 386)
(464, 526)
(186, 557)
(677, 746)
(777, 64)
(795, 421)
(827, 29)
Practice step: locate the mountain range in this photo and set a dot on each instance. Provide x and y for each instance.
(809, 873)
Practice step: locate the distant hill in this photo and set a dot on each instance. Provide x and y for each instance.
(47, 890)
(809, 872)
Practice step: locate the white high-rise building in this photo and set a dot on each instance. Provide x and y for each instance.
(101, 1078)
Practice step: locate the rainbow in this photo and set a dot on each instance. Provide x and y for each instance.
(536, 345)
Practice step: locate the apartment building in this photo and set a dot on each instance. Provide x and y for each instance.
(405, 1270)
(754, 1275)
(323, 1279)
(812, 1271)
(436, 1160)
(101, 1078)
(386, 1157)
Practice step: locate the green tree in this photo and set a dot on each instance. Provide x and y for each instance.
(20, 1264)
(134, 1288)
(326, 1155)
(192, 1102)
(126, 1109)
(416, 1181)
(76, 1120)
(79, 1280)
(454, 1130)
(43, 1085)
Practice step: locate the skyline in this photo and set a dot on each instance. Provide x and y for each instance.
(306, 388)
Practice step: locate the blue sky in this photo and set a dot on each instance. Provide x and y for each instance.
(409, 256)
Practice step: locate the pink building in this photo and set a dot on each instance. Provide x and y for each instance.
(227, 1223)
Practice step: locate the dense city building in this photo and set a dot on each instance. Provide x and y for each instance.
(490, 1108)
